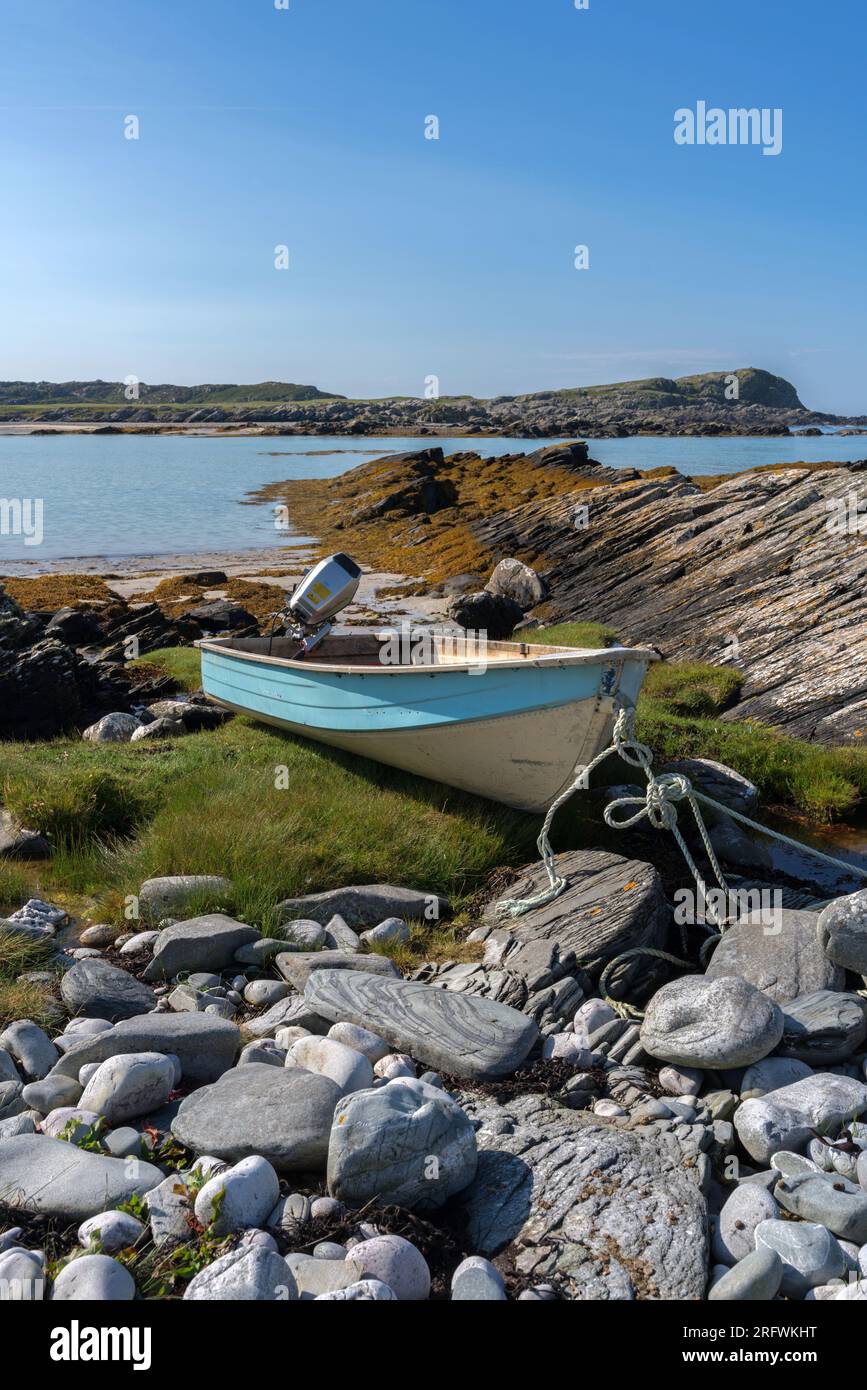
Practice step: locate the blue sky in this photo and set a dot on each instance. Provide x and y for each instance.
(412, 257)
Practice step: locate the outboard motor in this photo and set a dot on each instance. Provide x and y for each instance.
(324, 592)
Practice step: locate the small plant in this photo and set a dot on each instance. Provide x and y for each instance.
(135, 1206)
(91, 1139)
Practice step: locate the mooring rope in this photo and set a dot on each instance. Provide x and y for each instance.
(659, 807)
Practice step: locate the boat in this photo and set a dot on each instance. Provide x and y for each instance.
(511, 721)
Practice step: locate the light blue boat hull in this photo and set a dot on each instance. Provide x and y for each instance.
(512, 731)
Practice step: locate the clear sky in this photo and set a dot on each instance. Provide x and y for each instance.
(411, 257)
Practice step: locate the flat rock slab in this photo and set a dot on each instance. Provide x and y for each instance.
(281, 1114)
(99, 990)
(296, 966)
(202, 943)
(604, 1212)
(782, 957)
(610, 904)
(454, 1033)
(366, 904)
(824, 1027)
(54, 1178)
(205, 1044)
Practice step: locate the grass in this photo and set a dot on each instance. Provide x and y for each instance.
(183, 664)
(574, 635)
(216, 803)
(20, 998)
(282, 817)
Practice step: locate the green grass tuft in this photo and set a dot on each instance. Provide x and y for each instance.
(692, 687)
(183, 664)
(573, 635)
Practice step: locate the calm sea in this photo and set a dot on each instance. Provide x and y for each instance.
(124, 496)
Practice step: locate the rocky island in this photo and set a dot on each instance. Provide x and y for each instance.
(744, 401)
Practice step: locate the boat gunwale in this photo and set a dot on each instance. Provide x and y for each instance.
(548, 656)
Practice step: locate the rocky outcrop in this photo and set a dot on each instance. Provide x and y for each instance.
(765, 571)
(67, 669)
(602, 1213)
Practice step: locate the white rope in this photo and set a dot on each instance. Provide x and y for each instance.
(659, 806)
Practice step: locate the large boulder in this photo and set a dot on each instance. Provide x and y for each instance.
(454, 1033)
(52, 1178)
(205, 1045)
(788, 1118)
(487, 613)
(96, 989)
(202, 943)
(407, 1143)
(842, 931)
(779, 953)
(700, 1022)
(281, 1114)
(514, 580)
(116, 727)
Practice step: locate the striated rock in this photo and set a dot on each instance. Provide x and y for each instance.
(99, 990)
(823, 1027)
(542, 964)
(737, 558)
(608, 1213)
(297, 966)
(457, 1034)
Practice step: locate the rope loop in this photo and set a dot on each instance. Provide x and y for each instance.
(659, 807)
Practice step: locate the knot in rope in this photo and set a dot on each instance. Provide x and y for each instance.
(657, 804)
